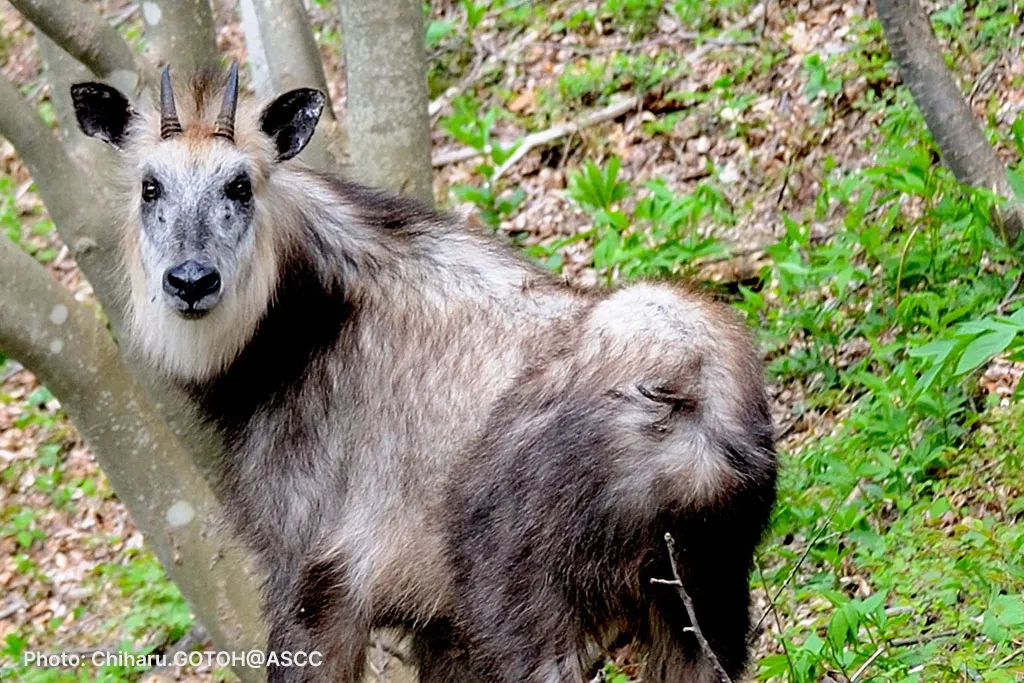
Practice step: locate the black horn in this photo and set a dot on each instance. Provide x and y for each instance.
(225, 126)
(169, 123)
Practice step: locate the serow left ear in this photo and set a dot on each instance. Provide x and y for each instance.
(103, 112)
(291, 119)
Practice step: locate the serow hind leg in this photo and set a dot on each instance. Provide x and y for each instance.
(315, 615)
(440, 660)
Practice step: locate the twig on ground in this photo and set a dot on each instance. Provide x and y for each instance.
(543, 137)
(923, 638)
(1010, 297)
(868, 662)
(1010, 657)
(899, 642)
(691, 612)
(610, 112)
(444, 99)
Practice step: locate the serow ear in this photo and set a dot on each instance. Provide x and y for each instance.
(291, 119)
(102, 112)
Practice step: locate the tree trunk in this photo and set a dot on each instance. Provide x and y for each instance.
(964, 148)
(181, 33)
(48, 331)
(387, 99)
(293, 61)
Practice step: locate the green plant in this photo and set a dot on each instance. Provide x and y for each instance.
(467, 126)
(638, 17)
(657, 238)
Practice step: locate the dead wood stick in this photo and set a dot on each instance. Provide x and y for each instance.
(543, 137)
(694, 627)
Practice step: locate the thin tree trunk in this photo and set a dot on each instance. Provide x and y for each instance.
(964, 148)
(181, 33)
(256, 51)
(62, 342)
(387, 99)
(279, 31)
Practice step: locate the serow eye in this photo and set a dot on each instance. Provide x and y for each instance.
(150, 190)
(239, 189)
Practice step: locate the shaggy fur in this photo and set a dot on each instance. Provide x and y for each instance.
(424, 431)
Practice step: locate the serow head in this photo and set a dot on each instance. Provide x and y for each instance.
(195, 166)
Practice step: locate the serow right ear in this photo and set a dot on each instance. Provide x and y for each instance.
(102, 112)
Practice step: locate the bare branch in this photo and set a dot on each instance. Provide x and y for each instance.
(388, 123)
(62, 341)
(694, 627)
(181, 33)
(83, 34)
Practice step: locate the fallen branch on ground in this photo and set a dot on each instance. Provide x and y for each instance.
(534, 140)
(898, 642)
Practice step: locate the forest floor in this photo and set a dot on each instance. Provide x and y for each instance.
(766, 150)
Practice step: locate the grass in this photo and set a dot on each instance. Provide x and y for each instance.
(895, 552)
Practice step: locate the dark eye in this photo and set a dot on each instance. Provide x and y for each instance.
(239, 189)
(150, 190)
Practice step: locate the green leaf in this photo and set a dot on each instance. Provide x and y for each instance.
(937, 350)
(983, 348)
(606, 249)
(437, 30)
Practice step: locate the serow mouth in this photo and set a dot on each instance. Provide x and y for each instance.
(194, 313)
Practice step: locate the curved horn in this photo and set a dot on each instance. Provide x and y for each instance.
(225, 126)
(169, 123)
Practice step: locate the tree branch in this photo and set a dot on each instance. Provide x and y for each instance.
(694, 627)
(534, 140)
(181, 33)
(964, 148)
(52, 169)
(61, 71)
(62, 341)
(388, 120)
(83, 34)
(78, 202)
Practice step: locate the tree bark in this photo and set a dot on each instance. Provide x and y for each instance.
(85, 36)
(387, 99)
(63, 343)
(61, 71)
(181, 33)
(256, 51)
(964, 149)
(87, 372)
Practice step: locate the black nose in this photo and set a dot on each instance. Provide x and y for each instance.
(191, 281)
